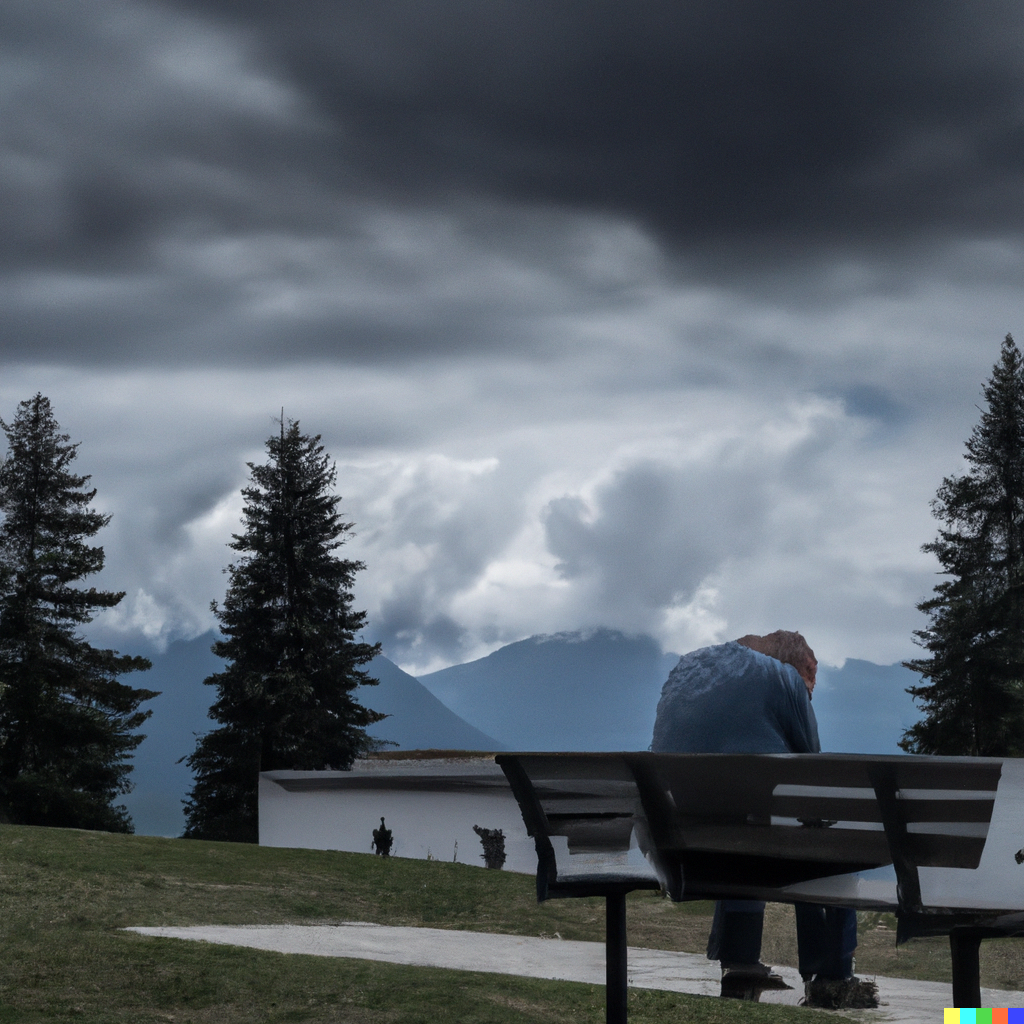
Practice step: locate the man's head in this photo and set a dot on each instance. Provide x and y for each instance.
(789, 647)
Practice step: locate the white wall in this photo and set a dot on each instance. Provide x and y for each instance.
(422, 823)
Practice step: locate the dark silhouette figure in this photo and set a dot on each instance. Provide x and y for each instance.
(494, 846)
(382, 840)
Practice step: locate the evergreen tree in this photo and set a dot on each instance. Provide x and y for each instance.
(285, 699)
(66, 723)
(973, 688)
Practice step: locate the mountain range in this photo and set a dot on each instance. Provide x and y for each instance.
(593, 690)
(596, 690)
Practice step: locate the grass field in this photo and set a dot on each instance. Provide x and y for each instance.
(64, 895)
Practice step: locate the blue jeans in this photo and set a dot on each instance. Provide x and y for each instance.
(826, 936)
(736, 932)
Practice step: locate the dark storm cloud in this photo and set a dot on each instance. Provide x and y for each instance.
(710, 121)
(196, 181)
(126, 124)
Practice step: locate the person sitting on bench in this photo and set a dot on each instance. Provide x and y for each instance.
(753, 696)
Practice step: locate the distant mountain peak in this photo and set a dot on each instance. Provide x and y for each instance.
(593, 689)
(580, 636)
(416, 718)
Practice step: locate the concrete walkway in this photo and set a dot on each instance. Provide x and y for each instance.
(909, 1002)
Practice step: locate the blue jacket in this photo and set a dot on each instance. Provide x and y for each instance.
(729, 699)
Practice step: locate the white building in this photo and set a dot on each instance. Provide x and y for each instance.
(430, 804)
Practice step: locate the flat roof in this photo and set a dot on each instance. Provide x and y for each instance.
(434, 774)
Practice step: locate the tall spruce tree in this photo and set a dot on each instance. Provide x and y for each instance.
(66, 722)
(973, 689)
(285, 699)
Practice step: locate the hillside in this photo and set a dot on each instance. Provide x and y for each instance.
(67, 893)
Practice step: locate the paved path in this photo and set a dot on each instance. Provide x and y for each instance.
(909, 1002)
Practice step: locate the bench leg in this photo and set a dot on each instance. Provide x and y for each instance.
(615, 958)
(963, 947)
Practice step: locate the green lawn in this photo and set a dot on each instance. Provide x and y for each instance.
(64, 895)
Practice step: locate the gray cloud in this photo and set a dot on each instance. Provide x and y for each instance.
(710, 122)
(654, 534)
(654, 316)
(200, 182)
(124, 125)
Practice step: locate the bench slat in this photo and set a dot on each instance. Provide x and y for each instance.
(596, 835)
(839, 809)
(581, 806)
(740, 773)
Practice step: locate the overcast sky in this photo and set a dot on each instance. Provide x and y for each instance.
(668, 315)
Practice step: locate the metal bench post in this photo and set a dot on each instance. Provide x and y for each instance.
(908, 883)
(615, 958)
(964, 945)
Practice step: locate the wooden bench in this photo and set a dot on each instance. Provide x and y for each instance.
(785, 828)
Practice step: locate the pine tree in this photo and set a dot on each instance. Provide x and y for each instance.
(285, 699)
(66, 722)
(973, 689)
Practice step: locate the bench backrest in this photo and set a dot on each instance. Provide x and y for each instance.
(718, 825)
